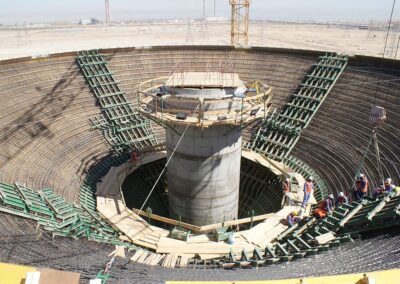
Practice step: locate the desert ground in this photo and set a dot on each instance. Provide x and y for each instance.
(349, 39)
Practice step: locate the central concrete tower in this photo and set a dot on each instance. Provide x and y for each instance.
(204, 114)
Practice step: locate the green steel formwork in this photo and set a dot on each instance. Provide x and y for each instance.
(121, 124)
(279, 132)
(345, 221)
(56, 215)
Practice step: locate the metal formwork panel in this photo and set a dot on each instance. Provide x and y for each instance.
(279, 133)
(122, 126)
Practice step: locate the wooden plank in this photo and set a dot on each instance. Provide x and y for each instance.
(206, 228)
(145, 244)
(151, 258)
(174, 259)
(200, 239)
(167, 220)
(167, 245)
(258, 233)
(325, 238)
(158, 259)
(205, 256)
(143, 257)
(166, 260)
(183, 261)
(137, 254)
(148, 241)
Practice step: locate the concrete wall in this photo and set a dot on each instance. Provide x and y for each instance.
(204, 174)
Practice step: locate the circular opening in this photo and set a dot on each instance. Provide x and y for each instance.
(259, 193)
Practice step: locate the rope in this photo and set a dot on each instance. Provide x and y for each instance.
(166, 164)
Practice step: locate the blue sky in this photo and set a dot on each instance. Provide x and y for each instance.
(20, 11)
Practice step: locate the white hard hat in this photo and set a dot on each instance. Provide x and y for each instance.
(331, 196)
(287, 179)
(388, 180)
(341, 194)
(361, 176)
(310, 178)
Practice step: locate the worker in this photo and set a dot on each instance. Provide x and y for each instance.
(286, 192)
(325, 207)
(342, 199)
(361, 186)
(292, 218)
(135, 155)
(308, 190)
(388, 186)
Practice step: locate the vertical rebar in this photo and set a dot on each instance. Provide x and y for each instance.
(388, 30)
(397, 48)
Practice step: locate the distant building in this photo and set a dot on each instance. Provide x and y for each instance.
(85, 22)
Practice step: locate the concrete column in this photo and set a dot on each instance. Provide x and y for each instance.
(204, 174)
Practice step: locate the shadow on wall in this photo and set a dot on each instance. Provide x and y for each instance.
(35, 122)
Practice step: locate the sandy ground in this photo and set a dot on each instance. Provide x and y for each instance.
(32, 42)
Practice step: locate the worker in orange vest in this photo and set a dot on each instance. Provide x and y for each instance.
(325, 207)
(361, 186)
(135, 155)
(308, 190)
(286, 192)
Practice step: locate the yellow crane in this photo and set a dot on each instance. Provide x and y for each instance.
(240, 22)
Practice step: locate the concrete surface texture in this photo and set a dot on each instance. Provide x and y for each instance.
(204, 174)
(350, 39)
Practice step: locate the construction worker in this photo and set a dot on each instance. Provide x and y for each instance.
(361, 186)
(286, 192)
(325, 207)
(342, 199)
(308, 190)
(388, 186)
(135, 155)
(292, 218)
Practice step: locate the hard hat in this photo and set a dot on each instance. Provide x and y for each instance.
(331, 196)
(388, 181)
(361, 176)
(287, 179)
(310, 178)
(341, 194)
(295, 213)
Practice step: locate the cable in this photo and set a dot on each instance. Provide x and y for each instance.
(388, 30)
(398, 43)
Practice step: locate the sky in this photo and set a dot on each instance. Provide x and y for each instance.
(36, 11)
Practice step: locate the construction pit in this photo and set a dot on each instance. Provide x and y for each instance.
(69, 137)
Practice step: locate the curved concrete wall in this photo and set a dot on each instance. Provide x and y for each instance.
(45, 106)
(204, 174)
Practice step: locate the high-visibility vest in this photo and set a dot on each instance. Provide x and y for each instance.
(286, 186)
(134, 156)
(308, 186)
(365, 189)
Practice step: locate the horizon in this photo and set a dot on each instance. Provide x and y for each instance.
(47, 11)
